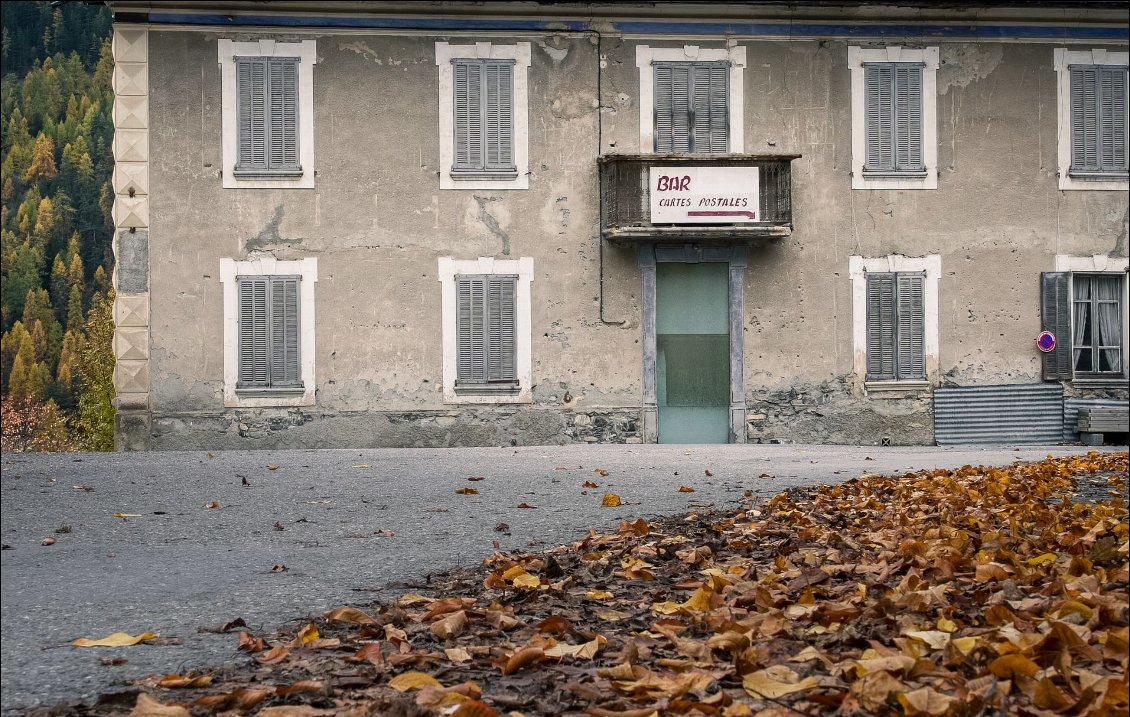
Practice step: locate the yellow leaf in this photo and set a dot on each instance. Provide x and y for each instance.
(610, 615)
(513, 572)
(1042, 559)
(118, 639)
(611, 500)
(965, 644)
(361, 465)
(946, 625)
(599, 595)
(666, 607)
(306, 635)
(148, 707)
(413, 599)
(527, 581)
(413, 681)
(776, 682)
(699, 601)
(127, 515)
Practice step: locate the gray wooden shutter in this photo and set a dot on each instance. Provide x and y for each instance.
(502, 332)
(1055, 316)
(283, 115)
(1084, 118)
(908, 118)
(468, 114)
(470, 326)
(1112, 119)
(251, 110)
(672, 107)
(499, 115)
(881, 327)
(285, 369)
(711, 108)
(252, 329)
(911, 326)
(878, 92)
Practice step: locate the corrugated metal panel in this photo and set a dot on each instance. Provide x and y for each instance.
(1026, 414)
(1071, 408)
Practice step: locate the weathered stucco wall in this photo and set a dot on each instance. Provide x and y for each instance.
(377, 222)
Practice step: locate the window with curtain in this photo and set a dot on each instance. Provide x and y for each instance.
(896, 326)
(269, 332)
(893, 119)
(1096, 324)
(486, 332)
(484, 119)
(692, 107)
(1098, 120)
(267, 116)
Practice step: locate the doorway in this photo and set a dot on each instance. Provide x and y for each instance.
(692, 352)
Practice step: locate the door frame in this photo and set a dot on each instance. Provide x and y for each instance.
(651, 253)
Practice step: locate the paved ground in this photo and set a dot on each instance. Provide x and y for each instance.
(182, 566)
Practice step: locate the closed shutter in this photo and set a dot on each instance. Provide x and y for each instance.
(254, 368)
(878, 91)
(1084, 119)
(502, 333)
(711, 111)
(283, 102)
(1112, 111)
(908, 115)
(468, 115)
(1055, 316)
(881, 327)
(470, 329)
(672, 107)
(251, 93)
(499, 116)
(911, 326)
(284, 333)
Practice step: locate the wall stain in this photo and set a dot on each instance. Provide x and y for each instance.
(1120, 240)
(491, 223)
(270, 233)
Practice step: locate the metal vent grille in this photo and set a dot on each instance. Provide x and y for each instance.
(1027, 414)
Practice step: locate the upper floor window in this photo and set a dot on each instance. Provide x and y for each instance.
(692, 110)
(483, 115)
(1098, 120)
(267, 89)
(691, 99)
(893, 98)
(1091, 111)
(484, 119)
(267, 113)
(894, 117)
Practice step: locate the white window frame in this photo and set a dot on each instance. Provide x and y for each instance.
(230, 269)
(1099, 264)
(928, 57)
(306, 52)
(518, 52)
(735, 55)
(523, 268)
(858, 268)
(1063, 59)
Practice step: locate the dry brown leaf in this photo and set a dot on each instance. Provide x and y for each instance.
(450, 626)
(687, 488)
(273, 656)
(776, 682)
(351, 615)
(413, 681)
(601, 472)
(466, 491)
(244, 698)
(474, 708)
(302, 687)
(146, 706)
(251, 643)
(522, 659)
(925, 701)
(178, 680)
(48, 541)
(306, 635)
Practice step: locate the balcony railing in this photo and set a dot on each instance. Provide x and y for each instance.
(626, 206)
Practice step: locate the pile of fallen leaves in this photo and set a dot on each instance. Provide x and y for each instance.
(980, 591)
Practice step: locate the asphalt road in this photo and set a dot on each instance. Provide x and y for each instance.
(182, 565)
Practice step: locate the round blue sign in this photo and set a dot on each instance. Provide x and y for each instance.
(1046, 341)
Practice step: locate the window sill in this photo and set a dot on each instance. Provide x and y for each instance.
(270, 392)
(895, 174)
(267, 174)
(1113, 382)
(895, 389)
(486, 389)
(470, 175)
(1098, 176)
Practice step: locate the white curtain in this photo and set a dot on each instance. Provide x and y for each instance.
(1108, 322)
(1081, 324)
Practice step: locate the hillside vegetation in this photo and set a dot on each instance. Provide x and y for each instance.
(56, 230)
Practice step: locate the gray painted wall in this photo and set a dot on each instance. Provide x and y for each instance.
(377, 222)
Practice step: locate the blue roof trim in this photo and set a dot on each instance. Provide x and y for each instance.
(1114, 34)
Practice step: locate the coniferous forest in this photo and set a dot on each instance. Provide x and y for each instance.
(56, 361)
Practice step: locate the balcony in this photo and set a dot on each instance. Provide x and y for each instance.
(730, 198)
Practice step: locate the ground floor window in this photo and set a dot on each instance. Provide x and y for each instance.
(1086, 312)
(896, 326)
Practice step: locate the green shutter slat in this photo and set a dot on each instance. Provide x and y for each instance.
(911, 326)
(251, 110)
(1055, 316)
(283, 116)
(252, 331)
(881, 328)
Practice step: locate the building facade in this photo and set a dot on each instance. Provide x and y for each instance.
(354, 224)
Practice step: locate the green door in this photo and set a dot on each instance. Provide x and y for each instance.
(692, 359)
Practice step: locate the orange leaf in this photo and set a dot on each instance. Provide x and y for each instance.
(251, 643)
(370, 652)
(1008, 666)
(687, 488)
(244, 698)
(177, 680)
(301, 687)
(274, 656)
(523, 658)
(349, 614)
(588, 484)
(148, 707)
(466, 491)
(474, 708)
